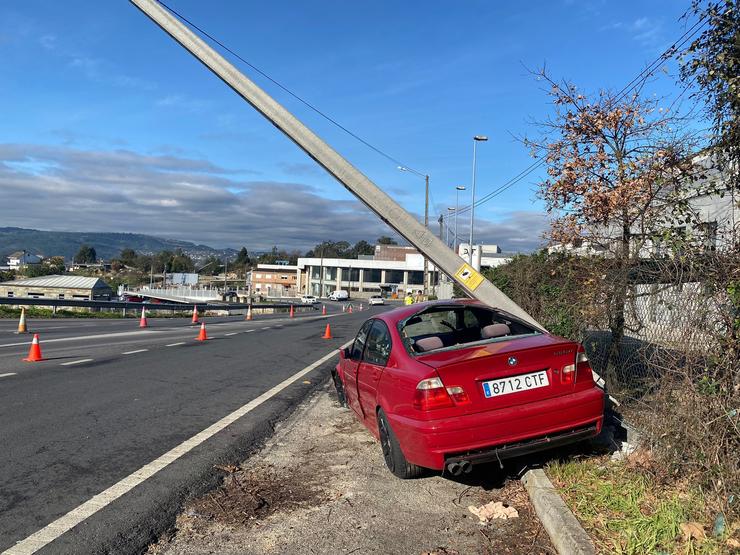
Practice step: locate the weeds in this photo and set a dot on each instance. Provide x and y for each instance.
(628, 513)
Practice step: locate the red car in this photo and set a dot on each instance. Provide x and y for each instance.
(448, 384)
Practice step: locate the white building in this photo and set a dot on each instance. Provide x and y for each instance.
(364, 277)
(484, 256)
(22, 258)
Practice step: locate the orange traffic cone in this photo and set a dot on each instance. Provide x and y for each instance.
(327, 333)
(249, 313)
(292, 315)
(195, 315)
(202, 335)
(142, 322)
(34, 354)
(350, 309)
(22, 322)
(323, 310)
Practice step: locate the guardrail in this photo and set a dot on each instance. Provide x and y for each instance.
(123, 305)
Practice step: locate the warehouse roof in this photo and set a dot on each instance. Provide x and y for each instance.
(61, 282)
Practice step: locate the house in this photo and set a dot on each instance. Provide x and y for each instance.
(19, 259)
(274, 280)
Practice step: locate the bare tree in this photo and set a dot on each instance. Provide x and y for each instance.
(618, 171)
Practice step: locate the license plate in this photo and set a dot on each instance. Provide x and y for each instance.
(504, 386)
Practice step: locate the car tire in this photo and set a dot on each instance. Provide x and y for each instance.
(339, 387)
(392, 454)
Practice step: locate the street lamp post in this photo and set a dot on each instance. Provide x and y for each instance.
(457, 209)
(476, 140)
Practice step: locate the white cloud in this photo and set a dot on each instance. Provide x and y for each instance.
(67, 189)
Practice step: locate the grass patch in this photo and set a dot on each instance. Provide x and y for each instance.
(628, 512)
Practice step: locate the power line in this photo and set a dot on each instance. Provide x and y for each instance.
(633, 84)
(285, 89)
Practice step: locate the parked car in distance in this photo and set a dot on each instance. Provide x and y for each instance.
(375, 299)
(309, 299)
(448, 384)
(340, 295)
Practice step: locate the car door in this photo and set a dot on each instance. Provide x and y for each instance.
(377, 352)
(351, 365)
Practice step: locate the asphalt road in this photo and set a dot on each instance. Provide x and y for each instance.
(111, 398)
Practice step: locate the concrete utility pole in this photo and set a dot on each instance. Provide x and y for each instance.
(344, 172)
(426, 226)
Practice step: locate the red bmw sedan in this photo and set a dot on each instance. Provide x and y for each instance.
(445, 385)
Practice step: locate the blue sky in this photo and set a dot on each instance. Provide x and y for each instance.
(108, 125)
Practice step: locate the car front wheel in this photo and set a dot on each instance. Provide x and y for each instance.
(394, 459)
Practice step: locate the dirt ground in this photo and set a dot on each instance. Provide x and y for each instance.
(320, 486)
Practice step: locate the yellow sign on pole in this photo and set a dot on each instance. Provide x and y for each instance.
(467, 274)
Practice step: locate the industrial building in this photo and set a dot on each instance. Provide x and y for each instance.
(57, 287)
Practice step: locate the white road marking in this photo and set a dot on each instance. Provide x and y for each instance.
(175, 344)
(97, 336)
(250, 331)
(134, 352)
(266, 328)
(8, 374)
(52, 531)
(76, 362)
(230, 334)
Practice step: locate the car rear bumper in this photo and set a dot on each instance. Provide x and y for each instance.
(502, 433)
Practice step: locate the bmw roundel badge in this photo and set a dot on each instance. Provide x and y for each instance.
(512, 361)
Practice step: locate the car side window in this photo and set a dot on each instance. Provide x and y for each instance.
(378, 344)
(359, 345)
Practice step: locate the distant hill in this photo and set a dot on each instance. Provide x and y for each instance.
(106, 245)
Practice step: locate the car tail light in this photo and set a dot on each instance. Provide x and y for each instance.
(583, 366)
(432, 394)
(458, 395)
(572, 371)
(567, 376)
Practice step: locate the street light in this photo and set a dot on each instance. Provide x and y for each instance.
(477, 139)
(426, 216)
(457, 209)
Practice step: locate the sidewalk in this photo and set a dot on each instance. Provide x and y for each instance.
(320, 486)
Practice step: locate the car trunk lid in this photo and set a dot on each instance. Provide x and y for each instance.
(504, 373)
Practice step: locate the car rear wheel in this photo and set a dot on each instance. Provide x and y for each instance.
(394, 459)
(339, 386)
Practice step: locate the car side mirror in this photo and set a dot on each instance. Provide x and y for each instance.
(344, 353)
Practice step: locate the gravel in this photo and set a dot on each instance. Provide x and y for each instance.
(320, 486)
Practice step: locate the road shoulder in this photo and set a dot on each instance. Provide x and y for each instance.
(320, 486)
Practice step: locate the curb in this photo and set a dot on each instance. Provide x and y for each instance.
(566, 533)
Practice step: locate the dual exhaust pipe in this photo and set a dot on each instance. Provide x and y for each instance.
(459, 468)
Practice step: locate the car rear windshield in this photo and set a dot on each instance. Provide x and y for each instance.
(441, 327)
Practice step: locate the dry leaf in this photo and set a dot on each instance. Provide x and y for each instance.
(733, 543)
(692, 530)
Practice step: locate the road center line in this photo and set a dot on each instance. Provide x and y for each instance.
(230, 334)
(8, 374)
(250, 331)
(175, 344)
(134, 352)
(76, 362)
(52, 531)
(266, 328)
